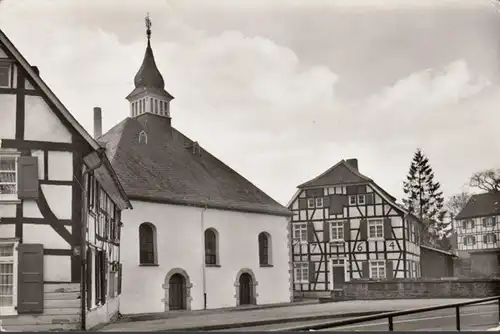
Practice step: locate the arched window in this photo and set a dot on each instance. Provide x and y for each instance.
(211, 247)
(147, 244)
(264, 249)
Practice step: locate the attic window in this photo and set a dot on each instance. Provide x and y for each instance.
(5, 72)
(143, 137)
(195, 148)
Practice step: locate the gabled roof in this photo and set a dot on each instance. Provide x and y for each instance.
(4, 40)
(481, 205)
(166, 169)
(46, 90)
(341, 173)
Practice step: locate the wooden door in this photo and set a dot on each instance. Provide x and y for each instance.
(177, 292)
(338, 277)
(245, 289)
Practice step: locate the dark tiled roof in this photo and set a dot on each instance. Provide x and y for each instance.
(341, 173)
(165, 169)
(480, 205)
(149, 75)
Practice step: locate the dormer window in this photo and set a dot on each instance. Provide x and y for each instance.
(143, 137)
(5, 74)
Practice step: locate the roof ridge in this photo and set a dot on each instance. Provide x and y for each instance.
(341, 162)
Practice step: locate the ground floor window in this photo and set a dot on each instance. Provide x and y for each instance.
(301, 272)
(8, 278)
(377, 269)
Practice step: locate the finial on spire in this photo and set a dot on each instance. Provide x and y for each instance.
(148, 26)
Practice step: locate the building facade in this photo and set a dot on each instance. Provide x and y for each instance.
(345, 227)
(45, 159)
(200, 236)
(477, 229)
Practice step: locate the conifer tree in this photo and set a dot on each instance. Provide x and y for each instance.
(424, 197)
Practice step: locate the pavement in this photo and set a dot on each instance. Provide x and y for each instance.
(273, 316)
(472, 318)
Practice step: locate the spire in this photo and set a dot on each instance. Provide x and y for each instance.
(148, 75)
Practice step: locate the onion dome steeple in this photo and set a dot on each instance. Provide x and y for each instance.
(149, 95)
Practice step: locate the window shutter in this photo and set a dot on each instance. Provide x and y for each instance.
(347, 230)
(326, 201)
(302, 203)
(27, 179)
(485, 239)
(464, 224)
(104, 273)
(494, 238)
(89, 278)
(369, 198)
(326, 231)
(366, 269)
(363, 229)
(473, 238)
(352, 190)
(484, 222)
(336, 204)
(30, 278)
(388, 269)
(119, 288)
(312, 272)
(387, 229)
(310, 232)
(472, 224)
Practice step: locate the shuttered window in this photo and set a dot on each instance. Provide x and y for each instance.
(30, 284)
(301, 272)
(378, 269)
(8, 177)
(8, 279)
(375, 228)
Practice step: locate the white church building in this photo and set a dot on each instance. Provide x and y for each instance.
(200, 236)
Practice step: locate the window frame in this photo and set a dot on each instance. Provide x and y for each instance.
(8, 66)
(361, 202)
(311, 203)
(377, 222)
(300, 267)
(351, 198)
(211, 253)
(492, 235)
(318, 202)
(264, 240)
(337, 225)
(12, 196)
(302, 228)
(377, 264)
(13, 259)
(151, 250)
(466, 237)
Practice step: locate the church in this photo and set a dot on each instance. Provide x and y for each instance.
(200, 236)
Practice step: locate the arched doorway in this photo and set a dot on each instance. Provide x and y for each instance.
(246, 289)
(177, 292)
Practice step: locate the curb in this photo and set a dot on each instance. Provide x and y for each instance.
(270, 322)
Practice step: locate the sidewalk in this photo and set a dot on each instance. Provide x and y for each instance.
(258, 317)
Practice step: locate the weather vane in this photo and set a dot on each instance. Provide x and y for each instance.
(148, 26)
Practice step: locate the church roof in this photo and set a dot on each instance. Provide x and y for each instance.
(148, 75)
(168, 167)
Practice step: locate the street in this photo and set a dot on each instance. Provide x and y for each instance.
(476, 318)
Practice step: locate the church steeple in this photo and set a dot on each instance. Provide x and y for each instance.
(149, 95)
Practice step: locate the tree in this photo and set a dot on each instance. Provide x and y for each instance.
(456, 203)
(487, 180)
(424, 197)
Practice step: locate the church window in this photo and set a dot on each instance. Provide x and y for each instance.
(264, 249)
(211, 247)
(147, 244)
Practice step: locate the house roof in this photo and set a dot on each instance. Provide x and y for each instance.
(4, 40)
(480, 205)
(345, 172)
(168, 167)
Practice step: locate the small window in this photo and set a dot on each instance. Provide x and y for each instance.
(300, 232)
(319, 202)
(147, 244)
(310, 203)
(301, 272)
(264, 249)
(375, 228)
(490, 238)
(469, 224)
(337, 231)
(211, 247)
(361, 199)
(156, 106)
(5, 72)
(161, 107)
(469, 240)
(8, 273)
(377, 269)
(490, 221)
(8, 177)
(352, 200)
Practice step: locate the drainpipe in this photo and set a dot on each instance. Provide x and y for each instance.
(203, 267)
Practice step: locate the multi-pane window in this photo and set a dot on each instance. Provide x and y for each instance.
(490, 221)
(468, 224)
(361, 199)
(352, 200)
(300, 232)
(210, 247)
(147, 245)
(8, 177)
(310, 203)
(319, 202)
(7, 278)
(490, 238)
(264, 249)
(376, 228)
(469, 240)
(377, 269)
(301, 272)
(336, 231)
(5, 75)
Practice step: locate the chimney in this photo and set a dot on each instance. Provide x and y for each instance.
(37, 71)
(353, 163)
(97, 122)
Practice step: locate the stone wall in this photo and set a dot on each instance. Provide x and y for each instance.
(422, 288)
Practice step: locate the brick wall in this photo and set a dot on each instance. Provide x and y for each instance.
(434, 263)
(422, 288)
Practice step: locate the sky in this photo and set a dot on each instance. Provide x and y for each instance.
(282, 90)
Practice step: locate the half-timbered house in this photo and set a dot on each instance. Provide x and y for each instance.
(346, 227)
(200, 236)
(47, 163)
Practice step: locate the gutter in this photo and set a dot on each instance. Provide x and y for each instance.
(203, 267)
